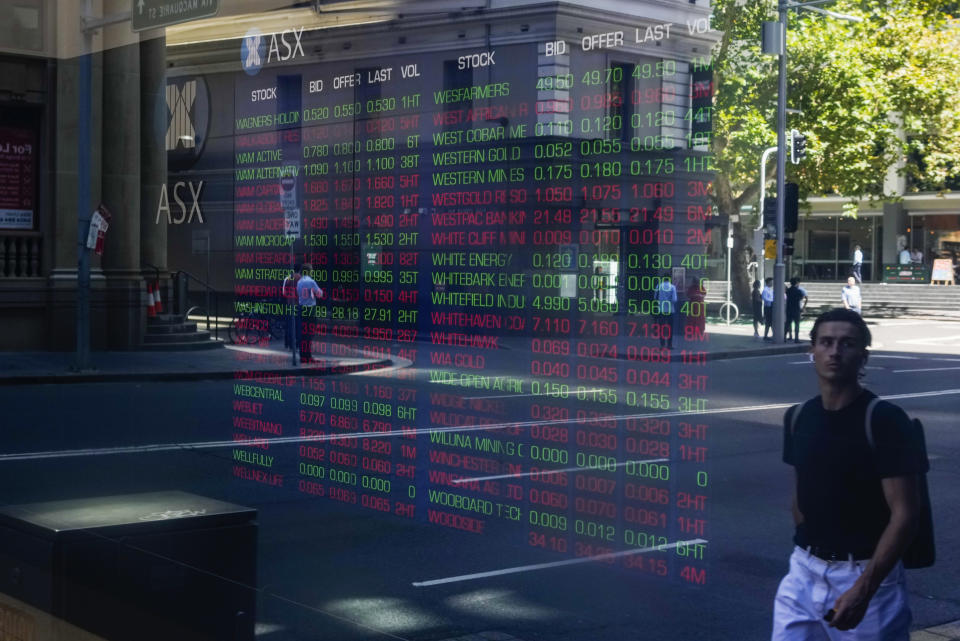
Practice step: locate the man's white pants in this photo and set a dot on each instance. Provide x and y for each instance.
(813, 585)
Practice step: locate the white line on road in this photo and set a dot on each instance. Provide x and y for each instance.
(929, 340)
(205, 445)
(554, 564)
(925, 369)
(474, 398)
(560, 471)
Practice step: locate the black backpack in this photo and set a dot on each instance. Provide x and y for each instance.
(922, 552)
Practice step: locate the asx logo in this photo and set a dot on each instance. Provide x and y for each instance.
(187, 120)
(283, 46)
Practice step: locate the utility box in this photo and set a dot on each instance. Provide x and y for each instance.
(137, 567)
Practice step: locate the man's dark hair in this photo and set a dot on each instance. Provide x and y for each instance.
(841, 315)
(298, 268)
(768, 279)
(794, 281)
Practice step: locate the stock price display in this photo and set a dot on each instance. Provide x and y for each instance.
(526, 231)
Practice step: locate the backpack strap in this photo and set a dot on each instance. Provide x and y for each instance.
(868, 421)
(797, 410)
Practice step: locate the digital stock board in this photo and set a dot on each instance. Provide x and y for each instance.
(521, 230)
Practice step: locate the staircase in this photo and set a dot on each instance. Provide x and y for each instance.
(173, 333)
(879, 300)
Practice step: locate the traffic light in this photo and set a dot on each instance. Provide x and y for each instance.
(788, 246)
(770, 211)
(791, 207)
(798, 146)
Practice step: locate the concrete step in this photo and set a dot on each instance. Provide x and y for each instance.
(176, 337)
(183, 346)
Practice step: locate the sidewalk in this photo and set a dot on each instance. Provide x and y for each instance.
(31, 368)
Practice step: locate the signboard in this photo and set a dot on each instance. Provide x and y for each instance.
(152, 14)
(288, 201)
(17, 177)
(906, 274)
(942, 270)
(291, 223)
(770, 248)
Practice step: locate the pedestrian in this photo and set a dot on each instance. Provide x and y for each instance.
(289, 293)
(916, 256)
(857, 263)
(667, 297)
(767, 296)
(308, 292)
(757, 299)
(796, 303)
(905, 258)
(599, 284)
(850, 295)
(697, 317)
(856, 504)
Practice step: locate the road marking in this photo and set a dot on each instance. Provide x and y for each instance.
(554, 564)
(207, 445)
(925, 369)
(474, 398)
(560, 471)
(930, 340)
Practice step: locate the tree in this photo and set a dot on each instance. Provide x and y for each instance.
(881, 93)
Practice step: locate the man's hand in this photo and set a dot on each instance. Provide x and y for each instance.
(851, 607)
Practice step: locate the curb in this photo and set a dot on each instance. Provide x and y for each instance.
(163, 377)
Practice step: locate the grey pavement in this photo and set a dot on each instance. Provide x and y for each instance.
(27, 368)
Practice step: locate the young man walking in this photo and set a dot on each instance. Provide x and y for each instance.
(856, 505)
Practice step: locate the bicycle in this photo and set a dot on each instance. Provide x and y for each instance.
(729, 312)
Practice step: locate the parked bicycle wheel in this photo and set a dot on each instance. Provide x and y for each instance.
(729, 313)
(247, 330)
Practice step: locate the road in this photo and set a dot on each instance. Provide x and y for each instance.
(333, 570)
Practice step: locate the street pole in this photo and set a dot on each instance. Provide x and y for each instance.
(84, 213)
(758, 232)
(779, 270)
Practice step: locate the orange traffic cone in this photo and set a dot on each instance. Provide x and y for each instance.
(151, 308)
(157, 303)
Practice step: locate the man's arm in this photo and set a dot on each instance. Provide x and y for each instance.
(902, 494)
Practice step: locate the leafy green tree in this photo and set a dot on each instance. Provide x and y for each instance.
(875, 94)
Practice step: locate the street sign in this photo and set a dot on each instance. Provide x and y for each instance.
(291, 223)
(153, 14)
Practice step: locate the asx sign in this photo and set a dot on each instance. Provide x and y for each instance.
(255, 50)
(188, 120)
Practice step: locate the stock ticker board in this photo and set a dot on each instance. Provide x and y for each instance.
(499, 221)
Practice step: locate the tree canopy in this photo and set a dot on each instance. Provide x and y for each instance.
(871, 95)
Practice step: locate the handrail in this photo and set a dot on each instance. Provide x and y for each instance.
(154, 268)
(209, 289)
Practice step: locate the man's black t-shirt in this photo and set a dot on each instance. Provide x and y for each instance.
(838, 473)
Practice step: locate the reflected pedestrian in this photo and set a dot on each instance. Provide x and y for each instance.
(757, 299)
(667, 297)
(856, 504)
(857, 263)
(850, 295)
(767, 296)
(796, 303)
(289, 292)
(308, 292)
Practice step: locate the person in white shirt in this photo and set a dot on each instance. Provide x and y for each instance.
(916, 256)
(307, 292)
(850, 295)
(667, 297)
(857, 263)
(767, 296)
(905, 258)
